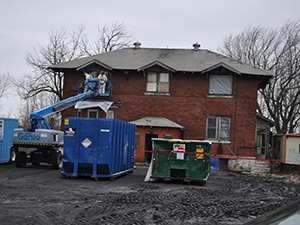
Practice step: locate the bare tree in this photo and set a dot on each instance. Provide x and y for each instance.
(277, 50)
(4, 84)
(61, 48)
(34, 103)
(110, 37)
(47, 85)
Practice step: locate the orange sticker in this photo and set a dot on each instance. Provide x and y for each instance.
(199, 150)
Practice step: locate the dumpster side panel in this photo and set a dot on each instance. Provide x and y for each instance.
(161, 165)
(97, 147)
(70, 145)
(7, 126)
(79, 145)
(181, 159)
(102, 152)
(123, 146)
(131, 145)
(199, 166)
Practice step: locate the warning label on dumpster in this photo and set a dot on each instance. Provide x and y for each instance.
(86, 143)
(178, 148)
(70, 132)
(200, 150)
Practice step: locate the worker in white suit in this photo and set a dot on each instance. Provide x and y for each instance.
(102, 80)
(87, 76)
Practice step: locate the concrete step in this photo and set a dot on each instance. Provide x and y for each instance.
(251, 165)
(261, 167)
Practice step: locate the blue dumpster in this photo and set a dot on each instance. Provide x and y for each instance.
(6, 135)
(98, 147)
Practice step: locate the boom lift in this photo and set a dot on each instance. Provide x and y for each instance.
(38, 143)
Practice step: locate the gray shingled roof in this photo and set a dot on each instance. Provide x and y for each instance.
(187, 60)
(156, 122)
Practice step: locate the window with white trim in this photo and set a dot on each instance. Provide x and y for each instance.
(92, 113)
(220, 84)
(157, 82)
(110, 114)
(137, 141)
(218, 128)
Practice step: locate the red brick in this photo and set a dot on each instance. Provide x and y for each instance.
(187, 105)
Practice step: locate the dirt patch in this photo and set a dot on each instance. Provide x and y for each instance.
(40, 195)
(285, 169)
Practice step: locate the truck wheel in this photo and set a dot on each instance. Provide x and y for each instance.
(21, 159)
(57, 162)
(13, 155)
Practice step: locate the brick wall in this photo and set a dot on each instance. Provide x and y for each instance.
(188, 105)
(160, 132)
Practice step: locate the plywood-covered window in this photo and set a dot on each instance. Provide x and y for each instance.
(220, 84)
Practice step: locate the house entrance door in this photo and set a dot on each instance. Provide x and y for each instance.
(261, 145)
(148, 146)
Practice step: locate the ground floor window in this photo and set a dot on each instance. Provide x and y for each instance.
(218, 128)
(137, 141)
(92, 113)
(110, 114)
(79, 113)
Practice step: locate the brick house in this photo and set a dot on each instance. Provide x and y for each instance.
(174, 93)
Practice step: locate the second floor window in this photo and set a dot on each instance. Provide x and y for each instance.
(158, 82)
(220, 84)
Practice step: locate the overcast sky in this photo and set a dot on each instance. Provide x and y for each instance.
(25, 24)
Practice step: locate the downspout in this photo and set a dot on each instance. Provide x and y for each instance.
(235, 114)
(244, 116)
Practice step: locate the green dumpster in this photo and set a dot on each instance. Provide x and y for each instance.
(186, 160)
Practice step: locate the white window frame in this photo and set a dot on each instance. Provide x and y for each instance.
(156, 84)
(92, 110)
(220, 127)
(137, 141)
(110, 114)
(220, 84)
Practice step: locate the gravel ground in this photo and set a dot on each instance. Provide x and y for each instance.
(40, 195)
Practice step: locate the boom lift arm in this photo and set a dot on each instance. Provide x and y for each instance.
(37, 120)
(39, 143)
